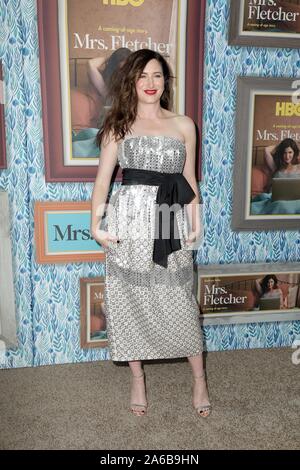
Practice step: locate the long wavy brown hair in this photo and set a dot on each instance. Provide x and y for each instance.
(264, 282)
(123, 111)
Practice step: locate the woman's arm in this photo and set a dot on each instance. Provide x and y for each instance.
(269, 159)
(283, 300)
(107, 163)
(189, 172)
(258, 286)
(95, 75)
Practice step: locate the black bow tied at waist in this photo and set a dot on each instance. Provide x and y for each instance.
(173, 188)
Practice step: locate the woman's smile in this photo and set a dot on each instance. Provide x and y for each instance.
(150, 92)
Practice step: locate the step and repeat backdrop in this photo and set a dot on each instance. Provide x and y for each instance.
(237, 75)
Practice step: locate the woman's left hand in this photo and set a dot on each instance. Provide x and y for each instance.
(194, 237)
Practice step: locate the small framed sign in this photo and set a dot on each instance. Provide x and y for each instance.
(92, 313)
(249, 293)
(62, 233)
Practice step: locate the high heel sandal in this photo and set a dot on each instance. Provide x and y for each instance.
(138, 409)
(202, 410)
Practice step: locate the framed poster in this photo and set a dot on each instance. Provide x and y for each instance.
(92, 313)
(62, 233)
(265, 23)
(248, 293)
(2, 123)
(8, 324)
(82, 44)
(266, 192)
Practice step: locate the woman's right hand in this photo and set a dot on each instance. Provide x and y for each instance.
(269, 158)
(104, 238)
(95, 75)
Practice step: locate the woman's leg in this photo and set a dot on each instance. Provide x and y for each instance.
(138, 401)
(200, 393)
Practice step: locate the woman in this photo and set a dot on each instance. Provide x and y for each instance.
(88, 108)
(151, 311)
(282, 159)
(267, 288)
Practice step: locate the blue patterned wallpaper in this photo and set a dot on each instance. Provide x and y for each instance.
(15, 180)
(47, 296)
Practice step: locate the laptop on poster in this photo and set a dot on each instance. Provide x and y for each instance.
(269, 304)
(285, 189)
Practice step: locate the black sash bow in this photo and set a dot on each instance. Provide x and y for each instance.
(173, 189)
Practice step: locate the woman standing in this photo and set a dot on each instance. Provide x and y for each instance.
(151, 310)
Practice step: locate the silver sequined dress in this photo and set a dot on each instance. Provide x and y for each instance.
(151, 311)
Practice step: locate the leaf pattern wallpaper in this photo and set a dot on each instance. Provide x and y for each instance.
(47, 296)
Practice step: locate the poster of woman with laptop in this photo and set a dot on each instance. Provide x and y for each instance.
(223, 290)
(96, 36)
(275, 172)
(272, 17)
(270, 294)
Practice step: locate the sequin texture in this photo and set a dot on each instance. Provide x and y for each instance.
(151, 311)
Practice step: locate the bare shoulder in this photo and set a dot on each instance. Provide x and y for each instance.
(109, 141)
(185, 123)
(180, 119)
(186, 127)
(182, 125)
